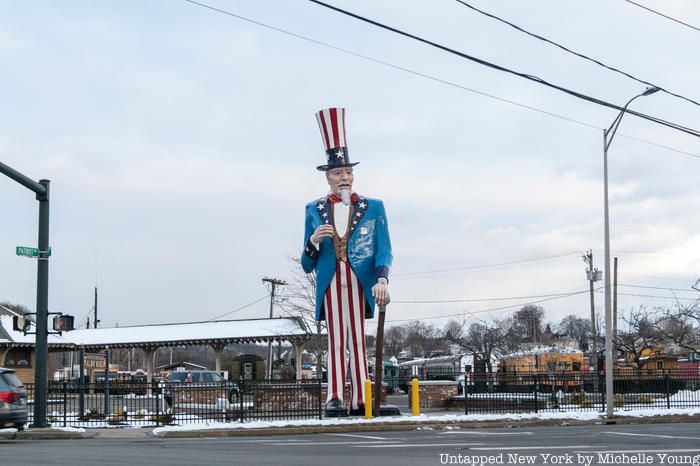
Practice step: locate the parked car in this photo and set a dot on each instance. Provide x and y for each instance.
(198, 385)
(13, 400)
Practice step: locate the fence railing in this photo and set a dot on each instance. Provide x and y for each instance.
(140, 404)
(569, 391)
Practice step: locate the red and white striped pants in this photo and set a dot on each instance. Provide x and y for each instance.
(345, 317)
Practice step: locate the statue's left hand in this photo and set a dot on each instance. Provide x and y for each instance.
(380, 291)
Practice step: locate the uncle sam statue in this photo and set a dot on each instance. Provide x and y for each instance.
(347, 245)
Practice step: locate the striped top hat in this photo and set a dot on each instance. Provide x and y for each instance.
(331, 122)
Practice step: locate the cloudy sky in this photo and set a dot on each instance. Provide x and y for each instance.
(181, 145)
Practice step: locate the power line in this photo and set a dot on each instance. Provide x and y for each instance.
(447, 301)
(657, 288)
(433, 78)
(661, 14)
(653, 296)
(580, 55)
(482, 267)
(492, 309)
(526, 76)
(239, 309)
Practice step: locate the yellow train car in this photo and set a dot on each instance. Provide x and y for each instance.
(551, 367)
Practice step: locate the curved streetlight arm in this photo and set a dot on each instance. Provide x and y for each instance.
(616, 122)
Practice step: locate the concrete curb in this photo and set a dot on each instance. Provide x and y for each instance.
(408, 425)
(52, 434)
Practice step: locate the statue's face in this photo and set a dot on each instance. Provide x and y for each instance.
(339, 179)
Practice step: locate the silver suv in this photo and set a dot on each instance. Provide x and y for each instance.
(13, 400)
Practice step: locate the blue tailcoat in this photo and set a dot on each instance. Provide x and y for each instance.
(369, 248)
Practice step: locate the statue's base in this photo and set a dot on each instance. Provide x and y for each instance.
(389, 410)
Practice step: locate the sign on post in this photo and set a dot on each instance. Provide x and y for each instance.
(29, 252)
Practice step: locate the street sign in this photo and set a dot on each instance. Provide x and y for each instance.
(29, 252)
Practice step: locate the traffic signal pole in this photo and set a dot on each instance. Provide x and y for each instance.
(42, 292)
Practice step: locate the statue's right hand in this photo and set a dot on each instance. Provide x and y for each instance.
(324, 231)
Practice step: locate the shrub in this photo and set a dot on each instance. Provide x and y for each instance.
(91, 414)
(165, 419)
(619, 400)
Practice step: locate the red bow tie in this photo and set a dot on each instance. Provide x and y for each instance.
(333, 198)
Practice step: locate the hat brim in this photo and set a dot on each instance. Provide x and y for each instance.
(325, 168)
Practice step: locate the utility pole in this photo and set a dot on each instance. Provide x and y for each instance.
(593, 275)
(273, 283)
(95, 308)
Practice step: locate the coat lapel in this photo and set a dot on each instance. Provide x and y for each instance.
(323, 210)
(360, 207)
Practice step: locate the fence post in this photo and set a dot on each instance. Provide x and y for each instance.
(320, 399)
(157, 391)
(241, 392)
(464, 392)
(535, 392)
(668, 391)
(81, 384)
(65, 401)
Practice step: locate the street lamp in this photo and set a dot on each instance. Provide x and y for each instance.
(608, 135)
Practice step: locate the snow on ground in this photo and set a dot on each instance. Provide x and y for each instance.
(423, 418)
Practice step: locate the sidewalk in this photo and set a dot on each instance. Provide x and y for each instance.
(430, 420)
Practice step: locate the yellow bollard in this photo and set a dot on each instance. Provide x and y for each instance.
(368, 399)
(415, 402)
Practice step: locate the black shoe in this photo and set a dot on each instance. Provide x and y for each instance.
(334, 408)
(360, 411)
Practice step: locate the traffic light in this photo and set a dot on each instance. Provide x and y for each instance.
(63, 323)
(21, 324)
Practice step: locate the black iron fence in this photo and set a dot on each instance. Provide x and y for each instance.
(140, 404)
(570, 391)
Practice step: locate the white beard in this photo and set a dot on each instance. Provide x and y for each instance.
(345, 196)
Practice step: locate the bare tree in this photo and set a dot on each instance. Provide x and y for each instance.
(18, 308)
(423, 339)
(394, 340)
(483, 339)
(528, 320)
(299, 301)
(681, 325)
(577, 328)
(638, 335)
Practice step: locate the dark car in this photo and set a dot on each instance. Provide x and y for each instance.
(13, 400)
(199, 385)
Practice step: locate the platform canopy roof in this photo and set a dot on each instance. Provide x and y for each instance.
(219, 332)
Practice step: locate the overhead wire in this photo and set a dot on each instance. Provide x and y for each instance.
(663, 15)
(449, 301)
(434, 78)
(529, 77)
(239, 309)
(487, 266)
(580, 55)
(513, 306)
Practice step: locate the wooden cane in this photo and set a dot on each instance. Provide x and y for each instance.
(379, 365)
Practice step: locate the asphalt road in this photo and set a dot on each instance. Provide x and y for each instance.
(623, 444)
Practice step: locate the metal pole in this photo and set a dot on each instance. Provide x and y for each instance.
(96, 321)
(594, 328)
(615, 302)
(106, 389)
(81, 385)
(42, 310)
(608, 303)
(379, 361)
